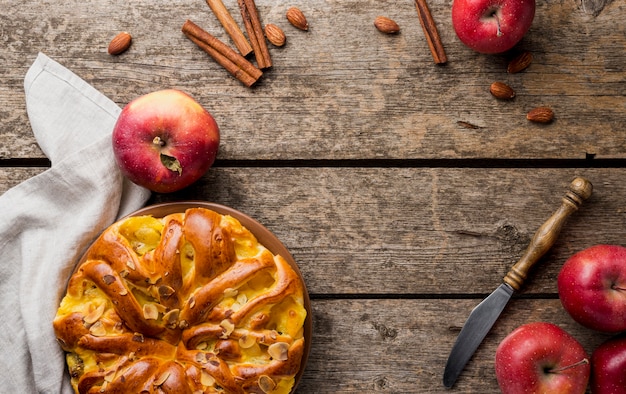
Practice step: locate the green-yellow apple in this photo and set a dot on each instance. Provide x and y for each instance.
(608, 367)
(592, 287)
(541, 358)
(492, 26)
(165, 140)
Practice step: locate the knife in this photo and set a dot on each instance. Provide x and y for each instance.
(485, 314)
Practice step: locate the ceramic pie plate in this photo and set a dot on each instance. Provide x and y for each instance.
(264, 236)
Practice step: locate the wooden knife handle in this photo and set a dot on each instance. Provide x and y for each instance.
(579, 190)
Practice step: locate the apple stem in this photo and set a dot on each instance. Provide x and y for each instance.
(495, 15)
(561, 369)
(158, 141)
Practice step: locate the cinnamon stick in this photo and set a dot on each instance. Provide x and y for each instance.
(430, 31)
(230, 26)
(254, 29)
(227, 57)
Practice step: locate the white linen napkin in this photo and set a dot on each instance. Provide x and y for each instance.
(48, 221)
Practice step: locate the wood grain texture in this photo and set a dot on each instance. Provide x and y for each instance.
(398, 231)
(402, 345)
(594, 7)
(12, 176)
(342, 84)
(368, 230)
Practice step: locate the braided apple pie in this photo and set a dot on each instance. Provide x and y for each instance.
(187, 303)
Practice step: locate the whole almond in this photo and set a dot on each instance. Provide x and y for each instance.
(501, 91)
(386, 25)
(275, 35)
(120, 43)
(540, 115)
(520, 63)
(297, 18)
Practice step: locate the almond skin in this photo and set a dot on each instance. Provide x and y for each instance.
(520, 63)
(275, 35)
(120, 43)
(540, 115)
(297, 18)
(501, 91)
(386, 25)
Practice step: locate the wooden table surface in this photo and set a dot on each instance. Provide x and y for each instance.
(403, 189)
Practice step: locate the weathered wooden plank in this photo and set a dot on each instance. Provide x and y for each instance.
(411, 230)
(405, 230)
(12, 176)
(342, 89)
(369, 230)
(401, 346)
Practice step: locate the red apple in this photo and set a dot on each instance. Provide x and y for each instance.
(492, 26)
(165, 140)
(541, 358)
(608, 367)
(592, 287)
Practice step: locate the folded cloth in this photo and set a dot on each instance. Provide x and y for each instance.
(48, 221)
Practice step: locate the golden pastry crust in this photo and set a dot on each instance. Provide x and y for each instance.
(188, 303)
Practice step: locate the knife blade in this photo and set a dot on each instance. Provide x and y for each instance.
(485, 314)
